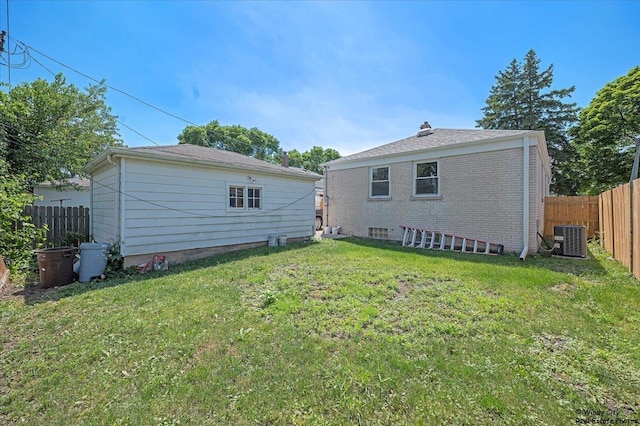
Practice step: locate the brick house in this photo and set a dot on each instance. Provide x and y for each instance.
(482, 184)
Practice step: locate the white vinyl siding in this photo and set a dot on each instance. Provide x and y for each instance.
(191, 210)
(104, 205)
(69, 197)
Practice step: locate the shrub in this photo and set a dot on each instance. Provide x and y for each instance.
(18, 236)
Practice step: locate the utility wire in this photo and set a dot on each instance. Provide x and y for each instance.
(8, 38)
(42, 65)
(118, 121)
(138, 133)
(29, 48)
(113, 88)
(262, 213)
(6, 126)
(28, 56)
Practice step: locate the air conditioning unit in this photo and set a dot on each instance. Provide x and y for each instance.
(570, 240)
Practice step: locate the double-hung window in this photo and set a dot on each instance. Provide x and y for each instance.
(243, 197)
(236, 197)
(254, 197)
(379, 182)
(427, 180)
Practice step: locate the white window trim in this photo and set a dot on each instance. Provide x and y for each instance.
(371, 182)
(414, 177)
(245, 195)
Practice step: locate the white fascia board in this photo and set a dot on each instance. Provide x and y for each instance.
(441, 152)
(543, 152)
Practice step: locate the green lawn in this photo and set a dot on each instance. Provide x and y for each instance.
(330, 332)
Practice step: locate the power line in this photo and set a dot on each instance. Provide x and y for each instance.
(262, 213)
(6, 126)
(28, 56)
(228, 138)
(118, 121)
(42, 65)
(138, 133)
(8, 55)
(112, 88)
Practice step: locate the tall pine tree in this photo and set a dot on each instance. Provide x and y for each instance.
(521, 99)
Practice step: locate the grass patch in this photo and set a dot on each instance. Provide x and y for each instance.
(330, 332)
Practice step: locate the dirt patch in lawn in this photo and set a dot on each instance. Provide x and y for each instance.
(564, 288)
(30, 293)
(403, 288)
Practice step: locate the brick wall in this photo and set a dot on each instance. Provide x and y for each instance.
(480, 198)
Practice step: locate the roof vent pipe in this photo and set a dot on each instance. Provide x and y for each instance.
(425, 129)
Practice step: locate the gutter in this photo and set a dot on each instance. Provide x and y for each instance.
(525, 198)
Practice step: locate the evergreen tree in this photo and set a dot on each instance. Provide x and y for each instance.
(521, 99)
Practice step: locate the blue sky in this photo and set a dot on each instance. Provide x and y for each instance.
(344, 75)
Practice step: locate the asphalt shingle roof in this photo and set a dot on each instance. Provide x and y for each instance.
(216, 157)
(438, 138)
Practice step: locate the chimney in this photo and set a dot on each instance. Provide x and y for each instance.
(425, 129)
(285, 159)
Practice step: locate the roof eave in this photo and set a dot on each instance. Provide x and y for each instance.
(126, 152)
(343, 161)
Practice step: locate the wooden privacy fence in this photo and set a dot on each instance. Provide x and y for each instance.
(620, 224)
(571, 211)
(60, 221)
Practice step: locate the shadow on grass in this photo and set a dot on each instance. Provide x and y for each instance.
(33, 294)
(591, 265)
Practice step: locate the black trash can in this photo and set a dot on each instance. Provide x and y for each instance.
(56, 266)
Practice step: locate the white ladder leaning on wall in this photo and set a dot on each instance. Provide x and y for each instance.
(447, 241)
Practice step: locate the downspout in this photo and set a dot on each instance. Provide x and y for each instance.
(119, 192)
(525, 198)
(91, 188)
(122, 209)
(117, 196)
(325, 210)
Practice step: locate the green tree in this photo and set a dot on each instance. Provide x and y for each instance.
(605, 131)
(49, 131)
(254, 143)
(251, 142)
(312, 159)
(522, 99)
(17, 233)
(295, 158)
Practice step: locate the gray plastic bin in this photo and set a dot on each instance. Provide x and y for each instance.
(93, 260)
